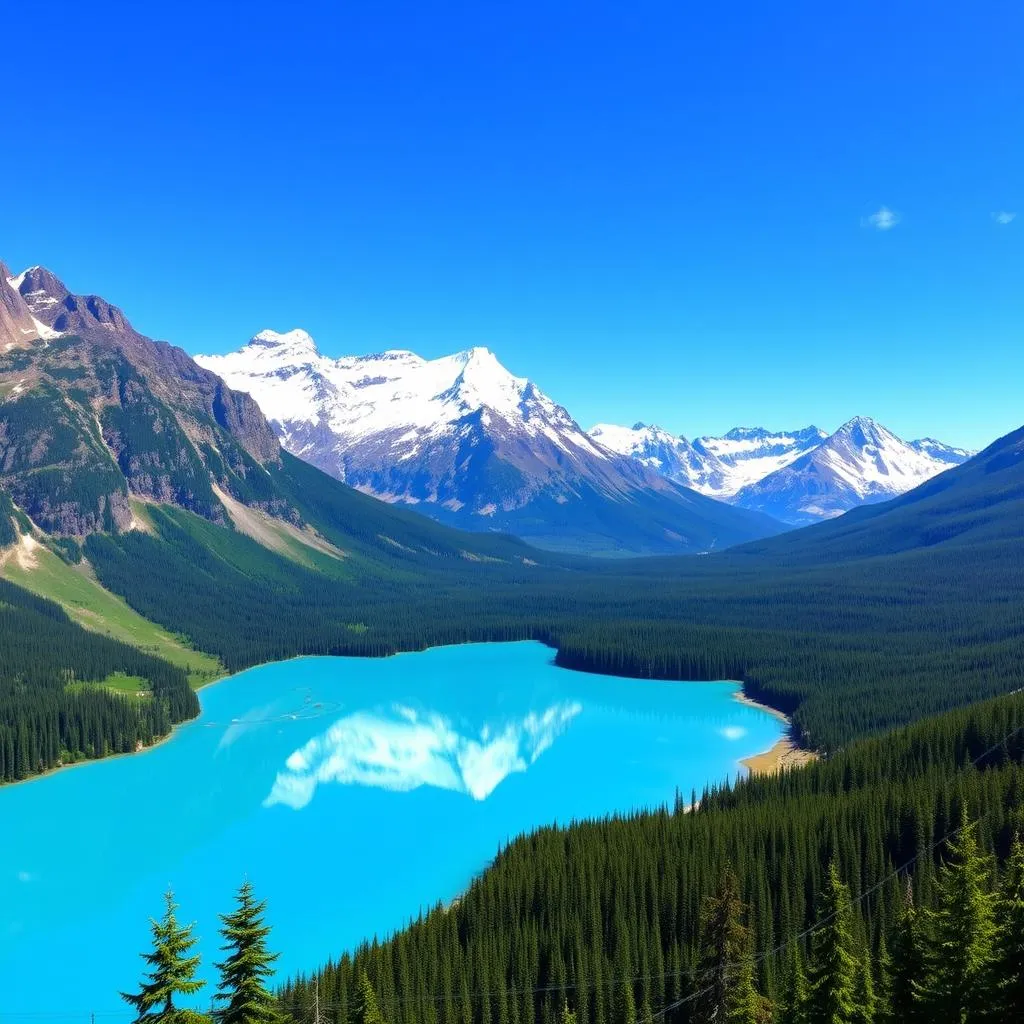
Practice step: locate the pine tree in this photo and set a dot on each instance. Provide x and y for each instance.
(743, 1005)
(794, 1002)
(907, 968)
(960, 949)
(864, 998)
(831, 995)
(172, 972)
(366, 1009)
(882, 976)
(725, 972)
(1007, 973)
(244, 972)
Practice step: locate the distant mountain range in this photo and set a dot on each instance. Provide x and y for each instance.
(467, 442)
(470, 444)
(799, 476)
(717, 466)
(92, 412)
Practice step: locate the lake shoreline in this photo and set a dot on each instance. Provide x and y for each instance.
(784, 754)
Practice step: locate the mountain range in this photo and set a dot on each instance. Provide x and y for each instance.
(470, 444)
(799, 476)
(465, 441)
(95, 416)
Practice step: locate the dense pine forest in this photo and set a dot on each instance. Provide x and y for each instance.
(884, 885)
(778, 899)
(51, 714)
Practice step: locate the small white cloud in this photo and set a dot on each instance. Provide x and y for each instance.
(882, 220)
(1003, 216)
(26, 876)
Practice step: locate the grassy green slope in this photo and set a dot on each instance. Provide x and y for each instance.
(80, 594)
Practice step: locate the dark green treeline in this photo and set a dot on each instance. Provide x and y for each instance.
(44, 720)
(567, 913)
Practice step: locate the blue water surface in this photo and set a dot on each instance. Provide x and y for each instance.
(351, 792)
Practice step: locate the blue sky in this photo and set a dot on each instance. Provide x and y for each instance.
(658, 211)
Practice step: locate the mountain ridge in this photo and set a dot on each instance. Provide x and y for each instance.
(798, 477)
(860, 463)
(464, 440)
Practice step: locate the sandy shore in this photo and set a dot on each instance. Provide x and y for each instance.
(785, 753)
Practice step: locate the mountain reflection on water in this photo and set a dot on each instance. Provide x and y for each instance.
(404, 749)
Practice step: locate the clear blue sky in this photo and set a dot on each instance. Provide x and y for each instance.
(658, 211)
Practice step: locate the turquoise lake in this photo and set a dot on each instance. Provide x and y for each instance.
(351, 792)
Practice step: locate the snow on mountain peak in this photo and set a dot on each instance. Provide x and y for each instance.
(295, 340)
(861, 462)
(395, 394)
(715, 466)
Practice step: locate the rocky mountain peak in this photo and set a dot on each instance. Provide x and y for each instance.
(294, 342)
(18, 326)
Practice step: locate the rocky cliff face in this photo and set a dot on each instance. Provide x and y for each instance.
(17, 325)
(170, 372)
(92, 411)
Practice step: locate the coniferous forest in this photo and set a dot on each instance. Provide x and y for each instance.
(885, 884)
(875, 885)
(51, 711)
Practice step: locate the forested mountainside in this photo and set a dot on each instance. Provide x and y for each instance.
(54, 706)
(612, 921)
(92, 411)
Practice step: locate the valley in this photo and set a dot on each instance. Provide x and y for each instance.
(511, 514)
(156, 537)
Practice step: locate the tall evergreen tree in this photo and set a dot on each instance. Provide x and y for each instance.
(963, 929)
(794, 1003)
(244, 972)
(1007, 975)
(864, 993)
(882, 977)
(831, 993)
(172, 972)
(744, 1004)
(366, 1009)
(907, 970)
(724, 972)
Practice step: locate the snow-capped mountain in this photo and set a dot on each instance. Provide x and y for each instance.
(466, 441)
(716, 466)
(861, 463)
(19, 325)
(796, 476)
(671, 456)
(749, 454)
